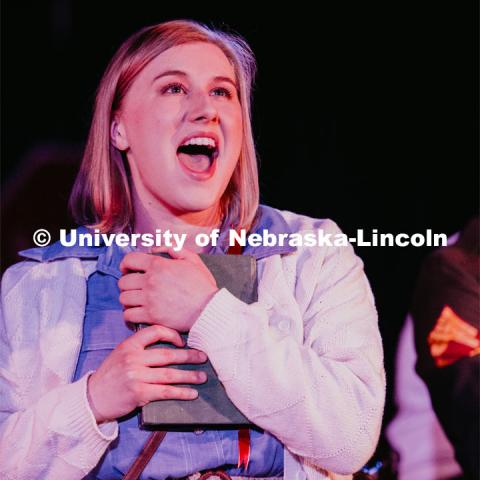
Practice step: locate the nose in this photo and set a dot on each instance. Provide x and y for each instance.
(201, 108)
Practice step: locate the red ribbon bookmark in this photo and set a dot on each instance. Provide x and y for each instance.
(243, 433)
(243, 447)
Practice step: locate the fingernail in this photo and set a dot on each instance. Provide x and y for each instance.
(193, 394)
(202, 376)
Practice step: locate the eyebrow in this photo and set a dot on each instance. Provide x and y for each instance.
(218, 78)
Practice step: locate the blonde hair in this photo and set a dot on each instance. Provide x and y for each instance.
(101, 194)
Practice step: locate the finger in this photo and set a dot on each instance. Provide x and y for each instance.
(191, 256)
(167, 392)
(135, 261)
(173, 253)
(171, 356)
(135, 315)
(132, 281)
(132, 298)
(155, 333)
(189, 253)
(168, 376)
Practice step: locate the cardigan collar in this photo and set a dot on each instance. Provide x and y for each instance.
(109, 257)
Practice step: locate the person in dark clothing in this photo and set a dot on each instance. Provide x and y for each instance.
(446, 313)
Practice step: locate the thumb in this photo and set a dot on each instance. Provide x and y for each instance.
(169, 250)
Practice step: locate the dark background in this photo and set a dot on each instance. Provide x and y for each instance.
(366, 113)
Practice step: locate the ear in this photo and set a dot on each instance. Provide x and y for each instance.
(117, 135)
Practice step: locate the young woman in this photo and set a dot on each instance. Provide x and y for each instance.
(171, 148)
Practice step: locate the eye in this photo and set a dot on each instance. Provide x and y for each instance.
(222, 92)
(174, 88)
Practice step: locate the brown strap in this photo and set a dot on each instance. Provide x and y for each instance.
(156, 438)
(215, 473)
(150, 447)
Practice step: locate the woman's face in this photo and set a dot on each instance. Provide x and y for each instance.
(181, 126)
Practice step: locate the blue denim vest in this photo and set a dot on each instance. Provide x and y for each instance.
(181, 453)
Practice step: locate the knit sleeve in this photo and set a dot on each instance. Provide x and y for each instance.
(322, 393)
(47, 429)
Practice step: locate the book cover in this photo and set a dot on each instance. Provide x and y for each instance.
(212, 409)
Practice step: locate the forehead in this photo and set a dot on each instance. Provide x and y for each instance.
(196, 58)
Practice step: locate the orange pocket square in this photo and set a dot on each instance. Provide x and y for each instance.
(452, 338)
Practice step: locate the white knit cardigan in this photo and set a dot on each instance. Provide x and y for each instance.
(304, 362)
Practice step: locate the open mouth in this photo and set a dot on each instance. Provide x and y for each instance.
(198, 158)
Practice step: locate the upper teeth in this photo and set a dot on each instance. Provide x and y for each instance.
(200, 141)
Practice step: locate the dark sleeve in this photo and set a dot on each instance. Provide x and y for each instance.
(446, 279)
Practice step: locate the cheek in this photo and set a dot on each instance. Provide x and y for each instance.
(151, 125)
(236, 130)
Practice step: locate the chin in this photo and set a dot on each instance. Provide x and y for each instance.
(199, 203)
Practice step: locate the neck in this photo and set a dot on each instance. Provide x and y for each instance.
(151, 215)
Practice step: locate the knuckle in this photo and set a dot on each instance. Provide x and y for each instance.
(129, 359)
(144, 398)
(150, 308)
(151, 281)
(157, 331)
(137, 390)
(152, 267)
(131, 374)
(195, 356)
(132, 385)
(123, 297)
(168, 376)
(158, 393)
(122, 347)
(180, 356)
(171, 392)
(155, 261)
(165, 356)
(163, 392)
(187, 393)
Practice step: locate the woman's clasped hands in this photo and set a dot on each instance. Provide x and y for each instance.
(169, 294)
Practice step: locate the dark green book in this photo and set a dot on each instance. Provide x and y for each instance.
(212, 409)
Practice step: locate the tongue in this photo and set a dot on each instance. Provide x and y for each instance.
(197, 163)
